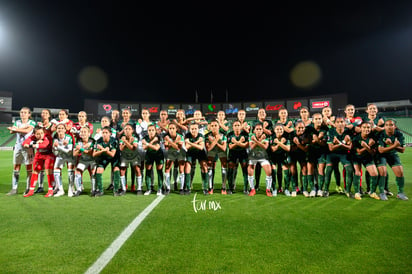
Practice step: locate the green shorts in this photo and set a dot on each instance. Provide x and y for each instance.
(390, 159)
(363, 160)
(333, 158)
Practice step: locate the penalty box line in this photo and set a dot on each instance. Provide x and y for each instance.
(109, 253)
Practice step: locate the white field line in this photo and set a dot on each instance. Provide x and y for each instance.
(109, 253)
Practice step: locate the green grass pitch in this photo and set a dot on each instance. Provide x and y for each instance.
(243, 235)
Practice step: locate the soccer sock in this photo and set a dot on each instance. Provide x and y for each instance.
(286, 178)
(175, 173)
(33, 181)
(50, 179)
(167, 180)
(182, 180)
(192, 175)
(293, 180)
(400, 182)
(321, 181)
(152, 177)
(205, 179)
(187, 180)
(274, 175)
(269, 182)
(139, 182)
(123, 182)
(28, 179)
(159, 179)
(336, 173)
(148, 179)
(279, 177)
(93, 181)
(41, 178)
(210, 173)
(230, 177)
(78, 180)
(258, 170)
(251, 183)
(70, 173)
(349, 175)
(375, 182)
(245, 178)
(15, 179)
(224, 177)
(99, 182)
(328, 175)
(311, 182)
(58, 179)
(356, 183)
(386, 182)
(116, 180)
(368, 178)
(304, 182)
(381, 182)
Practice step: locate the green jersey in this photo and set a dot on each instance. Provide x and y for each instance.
(86, 146)
(383, 137)
(332, 133)
(232, 135)
(127, 153)
(257, 152)
(222, 139)
(112, 144)
(192, 139)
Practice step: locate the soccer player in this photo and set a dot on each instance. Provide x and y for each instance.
(258, 144)
(328, 118)
(365, 150)
(300, 140)
(44, 158)
(216, 146)
(318, 150)
(278, 155)
(126, 115)
(63, 149)
(181, 122)
(199, 119)
(83, 150)
(195, 145)
(391, 141)
(238, 142)
(23, 129)
(105, 152)
(115, 119)
(82, 121)
(305, 116)
(241, 116)
(151, 144)
(223, 123)
(340, 144)
(129, 155)
(173, 143)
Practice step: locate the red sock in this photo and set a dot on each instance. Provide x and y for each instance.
(33, 180)
(50, 180)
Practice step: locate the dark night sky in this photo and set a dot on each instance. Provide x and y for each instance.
(165, 53)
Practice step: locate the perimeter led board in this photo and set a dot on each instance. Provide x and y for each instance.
(106, 108)
(295, 105)
(134, 108)
(154, 109)
(190, 108)
(252, 107)
(211, 109)
(232, 108)
(273, 106)
(319, 103)
(171, 109)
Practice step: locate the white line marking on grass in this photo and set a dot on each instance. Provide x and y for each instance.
(109, 253)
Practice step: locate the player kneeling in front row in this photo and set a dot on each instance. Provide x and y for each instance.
(258, 145)
(391, 141)
(129, 155)
(44, 158)
(151, 144)
(84, 151)
(106, 151)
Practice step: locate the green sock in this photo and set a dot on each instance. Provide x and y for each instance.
(349, 176)
(311, 182)
(205, 180)
(230, 178)
(328, 175)
(321, 181)
(187, 180)
(356, 183)
(305, 182)
(99, 182)
(400, 182)
(159, 179)
(116, 180)
(293, 180)
(148, 178)
(375, 182)
(245, 180)
(286, 178)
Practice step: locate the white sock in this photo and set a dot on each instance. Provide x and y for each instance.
(167, 180)
(224, 176)
(268, 182)
(251, 181)
(15, 179)
(139, 182)
(182, 180)
(123, 182)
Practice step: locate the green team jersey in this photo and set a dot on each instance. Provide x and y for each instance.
(127, 153)
(174, 140)
(192, 139)
(321, 133)
(333, 133)
(151, 151)
(222, 139)
(237, 138)
(269, 126)
(357, 143)
(258, 152)
(112, 144)
(87, 146)
(225, 132)
(280, 150)
(396, 136)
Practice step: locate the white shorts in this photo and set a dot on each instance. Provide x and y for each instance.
(262, 162)
(59, 163)
(134, 162)
(83, 165)
(23, 156)
(219, 154)
(174, 155)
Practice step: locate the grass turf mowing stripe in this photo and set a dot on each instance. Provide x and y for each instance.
(109, 253)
